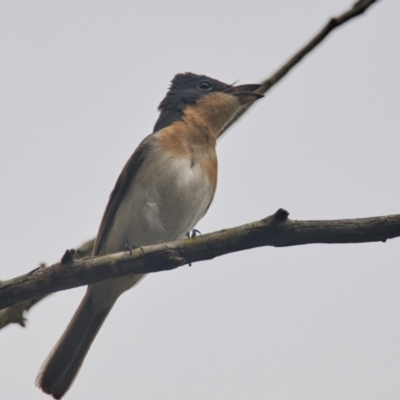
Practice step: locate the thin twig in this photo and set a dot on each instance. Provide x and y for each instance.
(358, 8)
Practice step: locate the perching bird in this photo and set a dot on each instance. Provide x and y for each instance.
(165, 188)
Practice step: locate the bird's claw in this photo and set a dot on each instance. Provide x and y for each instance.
(193, 234)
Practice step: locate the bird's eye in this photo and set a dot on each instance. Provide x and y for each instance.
(204, 85)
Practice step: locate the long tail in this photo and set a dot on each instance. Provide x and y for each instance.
(63, 363)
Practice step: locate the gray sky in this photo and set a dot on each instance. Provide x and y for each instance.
(80, 83)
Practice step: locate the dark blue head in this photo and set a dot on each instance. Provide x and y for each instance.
(185, 89)
(190, 87)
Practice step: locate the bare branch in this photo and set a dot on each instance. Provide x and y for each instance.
(276, 230)
(15, 314)
(358, 8)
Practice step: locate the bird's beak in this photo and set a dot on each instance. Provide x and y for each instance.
(245, 93)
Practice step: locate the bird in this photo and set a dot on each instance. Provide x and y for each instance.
(163, 191)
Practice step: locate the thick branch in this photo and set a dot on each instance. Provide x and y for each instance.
(16, 314)
(358, 8)
(276, 230)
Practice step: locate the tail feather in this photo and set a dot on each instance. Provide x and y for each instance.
(63, 363)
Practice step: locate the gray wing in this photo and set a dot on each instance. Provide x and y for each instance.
(124, 180)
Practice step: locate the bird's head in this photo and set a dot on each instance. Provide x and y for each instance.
(211, 100)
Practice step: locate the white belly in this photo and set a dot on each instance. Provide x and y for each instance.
(166, 199)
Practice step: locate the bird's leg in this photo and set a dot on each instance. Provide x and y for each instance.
(192, 234)
(129, 247)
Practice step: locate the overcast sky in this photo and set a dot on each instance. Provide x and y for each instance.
(80, 83)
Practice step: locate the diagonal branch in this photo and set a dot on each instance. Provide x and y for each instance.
(358, 8)
(277, 230)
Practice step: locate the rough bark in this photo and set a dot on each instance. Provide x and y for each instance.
(277, 230)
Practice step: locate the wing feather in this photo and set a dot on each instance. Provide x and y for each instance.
(123, 183)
